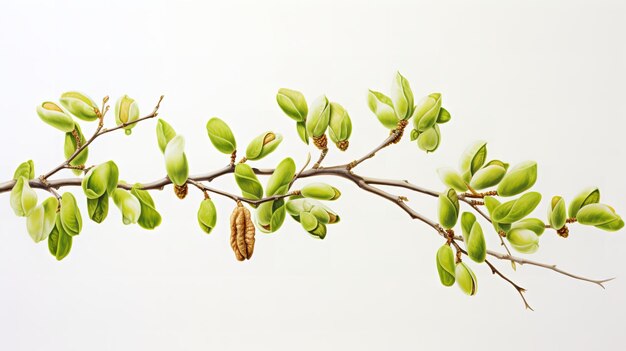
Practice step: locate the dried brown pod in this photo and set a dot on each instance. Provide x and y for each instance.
(242, 233)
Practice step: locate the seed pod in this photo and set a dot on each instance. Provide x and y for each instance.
(165, 133)
(263, 145)
(321, 213)
(80, 105)
(100, 179)
(523, 240)
(473, 158)
(207, 215)
(53, 115)
(320, 191)
(340, 126)
(149, 217)
(452, 178)
(42, 218)
(59, 242)
(444, 116)
(427, 112)
(221, 136)
(126, 111)
(293, 104)
(278, 183)
(476, 245)
(467, 222)
(176, 161)
(241, 233)
(70, 217)
(514, 210)
(586, 197)
(98, 208)
(491, 204)
(402, 97)
(600, 215)
(445, 265)
(73, 140)
(429, 139)
(465, 279)
(248, 182)
(382, 106)
(519, 179)
(318, 118)
(533, 224)
(301, 129)
(128, 204)
(25, 169)
(270, 215)
(23, 198)
(448, 209)
(488, 176)
(557, 214)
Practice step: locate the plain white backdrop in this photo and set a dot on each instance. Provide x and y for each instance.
(541, 80)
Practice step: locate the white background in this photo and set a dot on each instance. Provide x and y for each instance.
(541, 80)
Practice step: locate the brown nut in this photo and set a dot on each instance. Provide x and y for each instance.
(241, 233)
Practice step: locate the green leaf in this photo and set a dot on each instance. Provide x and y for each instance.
(41, 220)
(207, 215)
(129, 206)
(519, 179)
(533, 224)
(427, 112)
(23, 199)
(71, 220)
(402, 97)
(176, 161)
(318, 118)
(429, 139)
(53, 115)
(467, 222)
(465, 279)
(487, 177)
(448, 209)
(586, 197)
(320, 191)
(476, 245)
(514, 210)
(301, 129)
(221, 136)
(59, 242)
(149, 217)
(382, 106)
(80, 105)
(98, 208)
(452, 178)
(557, 214)
(293, 104)
(444, 116)
(25, 169)
(248, 182)
(523, 240)
(278, 183)
(263, 145)
(165, 133)
(491, 204)
(473, 157)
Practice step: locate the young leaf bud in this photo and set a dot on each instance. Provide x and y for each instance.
(600, 215)
(318, 118)
(70, 217)
(476, 245)
(207, 215)
(452, 178)
(533, 224)
(382, 106)
(126, 111)
(293, 104)
(25, 169)
(320, 191)
(128, 204)
(59, 242)
(586, 197)
(519, 179)
(444, 116)
(176, 161)
(312, 225)
(557, 214)
(448, 209)
(73, 140)
(271, 215)
(149, 217)
(467, 222)
(263, 145)
(515, 210)
(100, 179)
(429, 139)
(427, 112)
(473, 158)
(523, 240)
(165, 133)
(42, 218)
(278, 183)
(445, 265)
(340, 126)
(98, 208)
(248, 182)
(80, 105)
(465, 279)
(23, 198)
(53, 115)
(491, 203)
(402, 97)
(221, 136)
(301, 129)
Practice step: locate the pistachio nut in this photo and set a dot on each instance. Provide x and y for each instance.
(263, 145)
(126, 113)
(320, 191)
(293, 104)
(80, 105)
(519, 179)
(445, 265)
(53, 115)
(221, 136)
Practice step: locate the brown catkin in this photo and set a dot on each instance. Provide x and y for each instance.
(181, 190)
(343, 145)
(321, 142)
